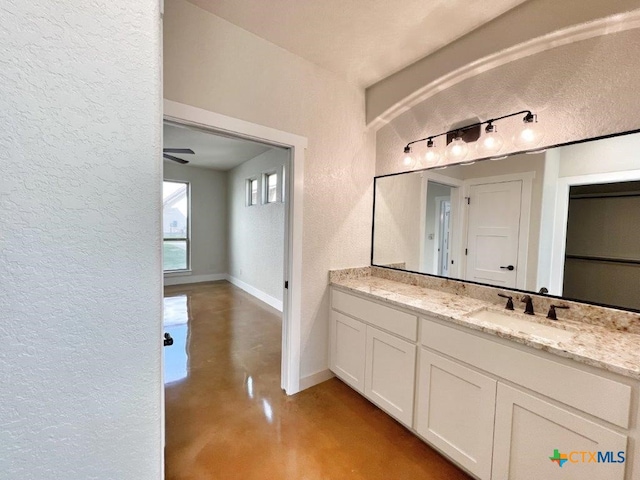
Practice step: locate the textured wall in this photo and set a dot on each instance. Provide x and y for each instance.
(80, 289)
(530, 20)
(208, 217)
(211, 64)
(256, 233)
(581, 90)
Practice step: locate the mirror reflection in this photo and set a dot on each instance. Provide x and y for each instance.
(566, 220)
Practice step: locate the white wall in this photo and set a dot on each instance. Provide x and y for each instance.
(397, 221)
(471, 53)
(581, 90)
(80, 200)
(615, 154)
(256, 233)
(208, 221)
(214, 65)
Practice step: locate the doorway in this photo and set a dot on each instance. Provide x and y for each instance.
(493, 233)
(440, 210)
(291, 320)
(497, 223)
(444, 234)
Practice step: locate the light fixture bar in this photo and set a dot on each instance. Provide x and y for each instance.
(528, 118)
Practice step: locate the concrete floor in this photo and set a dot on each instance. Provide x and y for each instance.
(227, 417)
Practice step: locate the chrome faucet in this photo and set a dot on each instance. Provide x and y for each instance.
(528, 308)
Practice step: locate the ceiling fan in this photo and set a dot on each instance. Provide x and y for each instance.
(182, 151)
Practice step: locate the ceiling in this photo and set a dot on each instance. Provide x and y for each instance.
(362, 41)
(211, 150)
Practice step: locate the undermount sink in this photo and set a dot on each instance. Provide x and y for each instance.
(515, 322)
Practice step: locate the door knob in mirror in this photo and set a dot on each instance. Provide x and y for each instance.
(509, 267)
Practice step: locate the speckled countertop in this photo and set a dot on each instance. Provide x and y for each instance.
(594, 345)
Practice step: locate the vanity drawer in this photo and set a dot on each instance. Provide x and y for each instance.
(604, 398)
(386, 318)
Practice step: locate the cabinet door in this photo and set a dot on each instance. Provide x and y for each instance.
(455, 411)
(390, 374)
(348, 340)
(529, 432)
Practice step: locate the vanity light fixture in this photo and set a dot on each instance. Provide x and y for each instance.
(432, 157)
(457, 149)
(408, 159)
(491, 142)
(530, 134)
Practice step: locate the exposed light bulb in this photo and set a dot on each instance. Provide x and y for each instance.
(408, 159)
(457, 149)
(432, 157)
(491, 142)
(530, 134)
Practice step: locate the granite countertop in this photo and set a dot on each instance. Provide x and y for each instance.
(598, 346)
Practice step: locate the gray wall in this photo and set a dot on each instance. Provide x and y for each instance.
(603, 227)
(80, 201)
(256, 233)
(208, 219)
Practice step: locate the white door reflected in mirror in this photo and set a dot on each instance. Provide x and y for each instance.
(423, 224)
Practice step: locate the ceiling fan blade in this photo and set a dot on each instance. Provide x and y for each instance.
(175, 159)
(178, 150)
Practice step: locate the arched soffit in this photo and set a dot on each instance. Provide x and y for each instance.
(605, 26)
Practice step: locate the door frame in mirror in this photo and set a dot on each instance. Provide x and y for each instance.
(456, 217)
(558, 248)
(525, 218)
(557, 252)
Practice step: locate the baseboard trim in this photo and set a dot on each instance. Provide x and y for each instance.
(315, 378)
(185, 279)
(259, 294)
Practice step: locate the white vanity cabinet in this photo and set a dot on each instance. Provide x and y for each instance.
(390, 372)
(455, 411)
(348, 342)
(528, 430)
(539, 405)
(497, 409)
(373, 349)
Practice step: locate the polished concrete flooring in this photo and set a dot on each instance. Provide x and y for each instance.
(227, 418)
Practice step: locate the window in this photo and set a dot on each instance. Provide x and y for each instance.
(175, 226)
(252, 192)
(270, 187)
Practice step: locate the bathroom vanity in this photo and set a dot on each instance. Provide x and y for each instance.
(496, 397)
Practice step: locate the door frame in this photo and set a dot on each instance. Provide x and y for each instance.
(525, 218)
(455, 220)
(559, 242)
(292, 301)
(439, 237)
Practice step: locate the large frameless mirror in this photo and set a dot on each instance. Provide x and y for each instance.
(565, 220)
